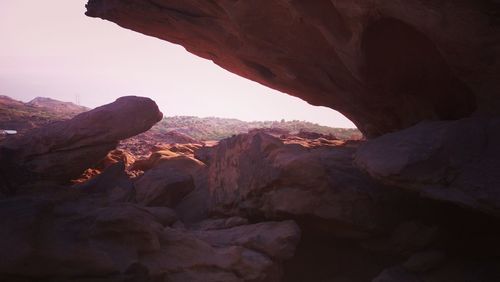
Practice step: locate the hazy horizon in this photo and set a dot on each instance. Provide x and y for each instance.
(51, 49)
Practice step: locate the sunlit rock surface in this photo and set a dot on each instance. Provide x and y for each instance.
(63, 150)
(386, 65)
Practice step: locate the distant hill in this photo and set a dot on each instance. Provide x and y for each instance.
(190, 129)
(38, 112)
(57, 106)
(6, 101)
(213, 128)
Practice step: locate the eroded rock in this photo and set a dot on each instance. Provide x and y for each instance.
(171, 179)
(454, 161)
(64, 237)
(275, 239)
(257, 175)
(62, 151)
(386, 65)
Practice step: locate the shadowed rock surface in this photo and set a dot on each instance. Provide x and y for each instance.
(386, 65)
(257, 175)
(418, 204)
(260, 208)
(170, 180)
(66, 237)
(62, 151)
(455, 161)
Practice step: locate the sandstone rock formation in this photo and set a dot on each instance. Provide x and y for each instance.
(170, 180)
(60, 152)
(386, 65)
(417, 205)
(354, 229)
(88, 239)
(456, 161)
(257, 175)
(260, 209)
(143, 144)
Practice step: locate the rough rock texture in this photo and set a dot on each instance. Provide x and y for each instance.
(272, 239)
(168, 182)
(62, 151)
(165, 153)
(455, 161)
(288, 209)
(113, 157)
(386, 65)
(66, 237)
(258, 175)
(353, 228)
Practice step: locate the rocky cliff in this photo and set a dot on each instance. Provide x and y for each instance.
(386, 65)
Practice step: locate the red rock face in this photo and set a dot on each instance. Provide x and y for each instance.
(386, 65)
(62, 151)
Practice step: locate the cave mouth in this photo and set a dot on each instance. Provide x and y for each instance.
(404, 66)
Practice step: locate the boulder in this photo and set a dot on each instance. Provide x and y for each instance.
(112, 182)
(257, 175)
(112, 158)
(64, 237)
(455, 161)
(163, 152)
(169, 181)
(163, 215)
(116, 156)
(126, 225)
(219, 223)
(200, 256)
(163, 186)
(62, 151)
(275, 239)
(49, 237)
(386, 65)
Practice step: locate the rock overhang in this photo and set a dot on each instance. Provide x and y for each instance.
(386, 65)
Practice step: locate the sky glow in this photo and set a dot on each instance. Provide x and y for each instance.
(50, 48)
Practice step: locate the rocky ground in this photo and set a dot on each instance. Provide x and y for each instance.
(418, 201)
(253, 207)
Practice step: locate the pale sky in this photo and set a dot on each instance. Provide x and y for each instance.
(50, 48)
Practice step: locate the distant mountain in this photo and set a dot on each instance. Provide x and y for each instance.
(40, 111)
(56, 105)
(6, 101)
